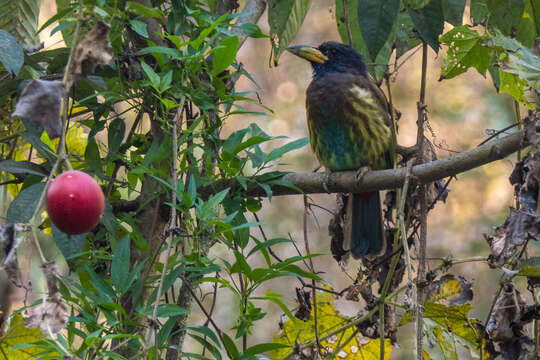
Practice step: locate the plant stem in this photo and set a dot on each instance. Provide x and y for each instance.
(423, 213)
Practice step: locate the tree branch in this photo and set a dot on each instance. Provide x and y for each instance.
(254, 9)
(345, 181)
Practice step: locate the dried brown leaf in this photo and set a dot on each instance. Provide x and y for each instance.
(39, 104)
(506, 311)
(11, 235)
(50, 317)
(94, 50)
(450, 290)
(516, 229)
(336, 229)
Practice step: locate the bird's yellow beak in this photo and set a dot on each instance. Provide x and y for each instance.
(308, 52)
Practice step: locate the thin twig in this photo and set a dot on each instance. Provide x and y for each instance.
(346, 22)
(313, 282)
(172, 220)
(401, 219)
(423, 213)
(194, 296)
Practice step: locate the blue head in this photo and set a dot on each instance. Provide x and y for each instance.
(331, 57)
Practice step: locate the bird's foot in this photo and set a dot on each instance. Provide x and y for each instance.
(361, 172)
(326, 179)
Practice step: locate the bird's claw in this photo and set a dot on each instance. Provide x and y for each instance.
(361, 172)
(326, 179)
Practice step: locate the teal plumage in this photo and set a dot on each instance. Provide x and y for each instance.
(350, 127)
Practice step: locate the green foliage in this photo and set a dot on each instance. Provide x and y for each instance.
(465, 50)
(285, 18)
(182, 76)
(20, 19)
(376, 21)
(11, 53)
(11, 343)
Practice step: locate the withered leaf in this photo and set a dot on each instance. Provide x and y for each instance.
(52, 315)
(516, 229)
(450, 290)
(526, 180)
(304, 304)
(506, 311)
(10, 238)
(93, 50)
(532, 129)
(39, 104)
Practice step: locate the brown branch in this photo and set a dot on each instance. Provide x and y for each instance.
(345, 181)
(254, 9)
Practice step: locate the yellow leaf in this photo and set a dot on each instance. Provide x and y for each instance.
(18, 334)
(328, 320)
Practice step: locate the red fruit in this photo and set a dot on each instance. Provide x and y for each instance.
(75, 202)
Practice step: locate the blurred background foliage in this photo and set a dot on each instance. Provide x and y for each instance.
(463, 111)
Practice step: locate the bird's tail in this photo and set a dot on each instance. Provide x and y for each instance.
(364, 231)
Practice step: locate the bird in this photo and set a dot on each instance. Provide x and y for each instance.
(350, 128)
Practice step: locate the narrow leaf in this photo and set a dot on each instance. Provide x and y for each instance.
(23, 206)
(11, 53)
(376, 20)
(285, 18)
(120, 264)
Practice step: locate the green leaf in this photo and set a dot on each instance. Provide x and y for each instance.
(17, 334)
(240, 266)
(253, 31)
(225, 54)
(417, 4)
(527, 30)
(22, 167)
(267, 244)
(151, 74)
(192, 192)
(206, 331)
(145, 12)
(115, 135)
(206, 345)
(513, 85)
(69, 245)
(479, 11)
(276, 299)
(351, 27)
(20, 18)
(120, 265)
(139, 27)
(453, 11)
(506, 14)
(11, 53)
(24, 205)
(62, 26)
(165, 331)
(465, 50)
(429, 22)
(280, 151)
(530, 267)
(92, 156)
(261, 348)
(202, 36)
(232, 350)
(406, 38)
(165, 310)
(103, 289)
(376, 20)
(232, 142)
(285, 18)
